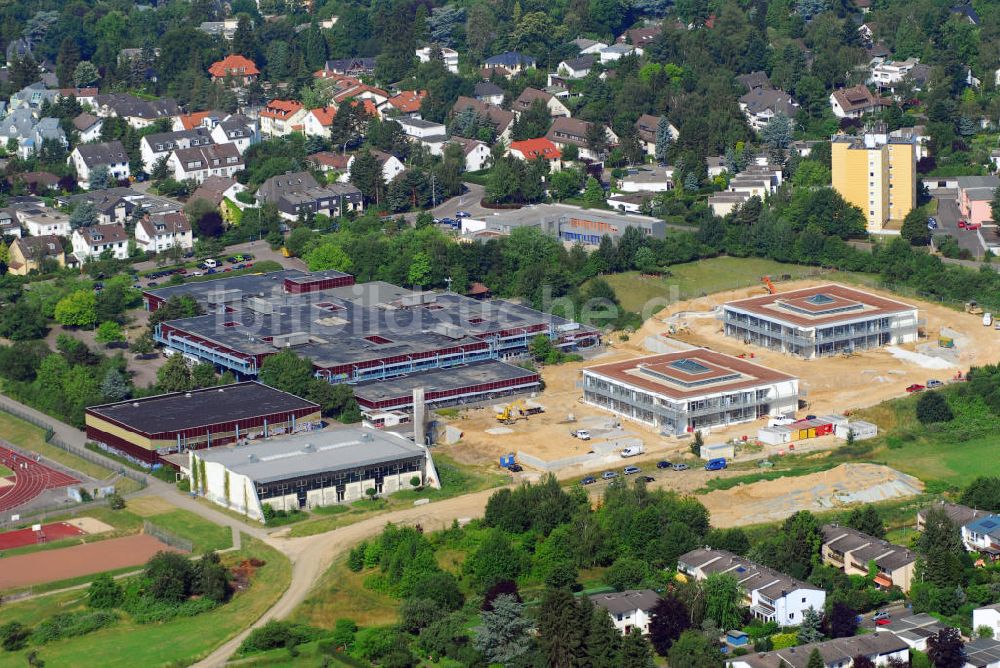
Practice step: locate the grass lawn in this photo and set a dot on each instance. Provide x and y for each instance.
(341, 593)
(28, 436)
(932, 460)
(455, 479)
(5, 472)
(694, 279)
(178, 642)
(205, 535)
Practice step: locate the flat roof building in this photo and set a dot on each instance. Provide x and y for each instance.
(362, 333)
(144, 430)
(819, 321)
(688, 390)
(575, 224)
(446, 387)
(323, 468)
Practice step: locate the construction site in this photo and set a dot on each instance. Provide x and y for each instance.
(949, 342)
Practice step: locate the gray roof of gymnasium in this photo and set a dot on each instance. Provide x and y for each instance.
(439, 379)
(533, 215)
(982, 652)
(312, 453)
(966, 182)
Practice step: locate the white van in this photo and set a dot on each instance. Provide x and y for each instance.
(582, 434)
(211, 264)
(987, 319)
(633, 451)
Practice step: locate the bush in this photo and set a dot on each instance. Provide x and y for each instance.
(418, 613)
(356, 557)
(626, 573)
(14, 636)
(116, 502)
(344, 632)
(933, 407)
(72, 624)
(104, 593)
(276, 634)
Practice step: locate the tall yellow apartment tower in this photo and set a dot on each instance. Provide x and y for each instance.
(876, 173)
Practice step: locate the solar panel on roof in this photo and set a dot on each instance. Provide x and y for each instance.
(989, 524)
(820, 299)
(690, 366)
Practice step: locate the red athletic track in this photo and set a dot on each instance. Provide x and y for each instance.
(28, 482)
(49, 533)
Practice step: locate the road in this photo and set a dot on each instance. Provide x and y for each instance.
(948, 216)
(260, 250)
(467, 201)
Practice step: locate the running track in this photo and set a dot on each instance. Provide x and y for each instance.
(30, 481)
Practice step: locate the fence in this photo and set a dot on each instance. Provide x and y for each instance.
(164, 536)
(54, 440)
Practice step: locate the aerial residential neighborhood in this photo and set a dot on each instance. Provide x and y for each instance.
(480, 334)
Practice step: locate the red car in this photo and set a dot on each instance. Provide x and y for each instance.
(916, 387)
(962, 224)
(973, 226)
(885, 621)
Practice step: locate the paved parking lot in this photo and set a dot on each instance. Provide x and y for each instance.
(948, 216)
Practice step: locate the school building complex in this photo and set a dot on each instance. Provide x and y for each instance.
(820, 321)
(384, 339)
(684, 391)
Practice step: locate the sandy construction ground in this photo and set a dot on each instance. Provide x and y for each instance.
(832, 385)
(774, 500)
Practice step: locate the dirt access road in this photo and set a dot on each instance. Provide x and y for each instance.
(313, 555)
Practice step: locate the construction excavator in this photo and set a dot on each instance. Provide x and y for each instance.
(512, 412)
(766, 280)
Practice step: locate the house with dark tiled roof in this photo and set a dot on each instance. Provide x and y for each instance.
(571, 131)
(854, 552)
(237, 130)
(511, 61)
(298, 193)
(754, 80)
(760, 105)
(576, 68)
(855, 102)
(89, 243)
(138, 112)
(160, 145)
(529, 96)
(630, 610)
(500, 119)
(86, 157)
(163, 232)
(647, 127)
(89, 127)
(477, 153)
(641, 36)
(880, 648)
(197, 163)
(350, 66)
(488, 92)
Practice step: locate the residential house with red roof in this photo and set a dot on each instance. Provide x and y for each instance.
(538, 149)
(318, 121)
(236, 68)
(281, 117)
(406, 103)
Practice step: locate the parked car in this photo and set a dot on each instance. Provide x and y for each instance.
(231, 259)
(630, 470)
(932, 384)
(880, 615)
(98, 286)
(663, 465)
(515, 468)
(680, 467)
(608, 475)
(197, 273)
(962, 224)
(247, 257)
(716, 464)
(589, 480)
(973, 226)
(152, 284)
(649, 478)
(916, 387)
(932, 222)
(582, 434)
(463, 214)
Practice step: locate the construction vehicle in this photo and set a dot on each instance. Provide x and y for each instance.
(512, 412)
(973, 308)
(946, 342)
(285, 252)
(769, 285)
(987, 319)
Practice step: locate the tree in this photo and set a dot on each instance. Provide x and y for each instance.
(723, 598)
(645, 260)
(174, 376)
(109, 332)
(842, 621)
(945, 649)
(603, 641)
(420, 269)
(778, 132)
(982, 493)
(593, 194)
(560, 633)
(288, 372)
(867, 520)
(941, 544)
(626, 573)
(169, 577)
(664, 139)
(995, 205)
(418, 613)
(104, 593)
(77, 309)
(14, 636)
(668, 619)
(503, 637)
(815, 660)
(494, 560)
(366, 175)
(84, 215)
(636, 652)
(596, 138)
(143, 345)
(694, 650)
(933, 407)
(914, 228)
(203, 375)
(100, 178)
(810, 630)
(211, 578)
(85, 74)
(210, 225)
(697, 442)
(114, 386)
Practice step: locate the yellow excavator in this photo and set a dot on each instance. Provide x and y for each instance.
(512, 412)
(973, 308)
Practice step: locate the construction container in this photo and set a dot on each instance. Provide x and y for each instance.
(862, 430)
(774, 435)
(946, 342)
(718, 450)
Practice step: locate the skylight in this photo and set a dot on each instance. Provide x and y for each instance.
(690, 366)
(820, 299)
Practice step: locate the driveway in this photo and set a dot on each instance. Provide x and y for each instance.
(261, 251)
(467, 201)
(948, 216)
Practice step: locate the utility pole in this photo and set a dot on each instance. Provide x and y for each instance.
(433, 190)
